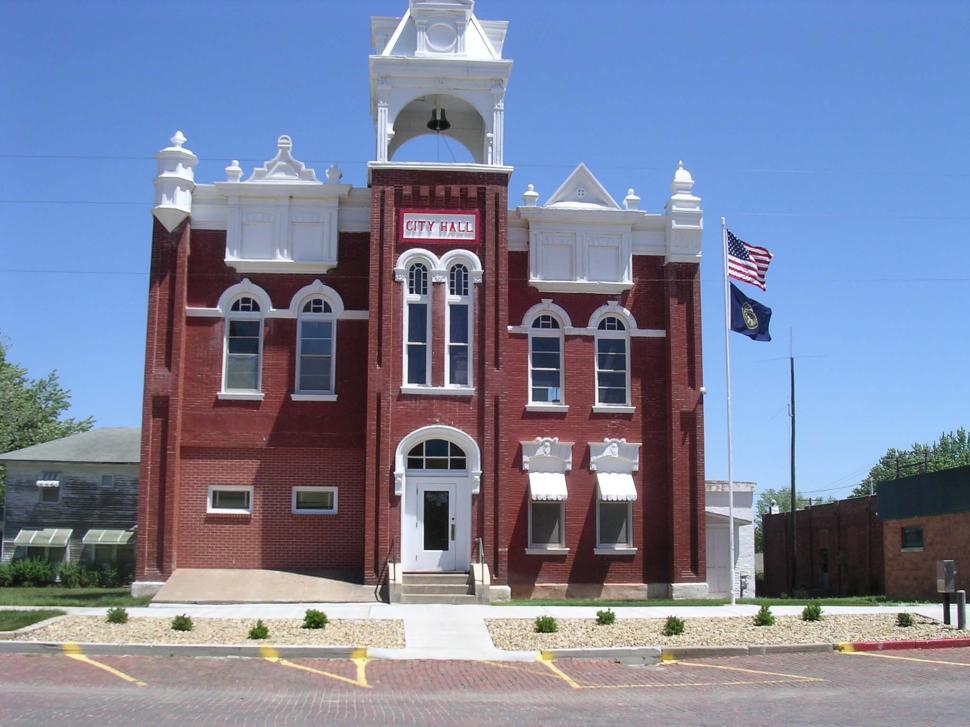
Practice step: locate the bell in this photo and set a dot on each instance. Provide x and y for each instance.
(439, 123)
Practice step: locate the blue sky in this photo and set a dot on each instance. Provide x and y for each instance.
(833, 133)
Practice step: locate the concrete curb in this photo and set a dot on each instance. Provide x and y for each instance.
(900, 645)
(10, 635)
(624, 654)
(216, 650)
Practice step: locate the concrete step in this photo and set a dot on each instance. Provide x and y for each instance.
(433, 598)
(434, 578)
(444, 589)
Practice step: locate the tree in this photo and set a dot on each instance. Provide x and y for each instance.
(30, 410)
(952, 449)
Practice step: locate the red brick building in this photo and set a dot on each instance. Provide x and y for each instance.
(413, 377)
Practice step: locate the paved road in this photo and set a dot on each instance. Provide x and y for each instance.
(900, 687)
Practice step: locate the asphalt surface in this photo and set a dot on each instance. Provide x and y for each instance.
(925, 687)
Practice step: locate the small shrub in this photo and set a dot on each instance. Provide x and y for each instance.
(904, 619)
(606, 618)
(259, 631)
(117, 615)
(182, 623)
(31, 572)
(812, 612)
(546, 625)
(79, 575)
(764, 617)
(314, 619)
(673, 626)
(6, 575)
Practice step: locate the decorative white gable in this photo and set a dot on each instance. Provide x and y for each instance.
(282, 218)
(614, 456)
(582, 190)
(439, 58)
(547, 454)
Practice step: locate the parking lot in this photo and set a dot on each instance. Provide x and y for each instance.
(915, 687)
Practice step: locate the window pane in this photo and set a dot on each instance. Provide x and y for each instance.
(436, 448)
(458, 323)
(436, 463)
(912, 537)
(458, 463)
(612, 380)
(546, 395)
(315, 365)
(612, 396)
(415, 463)
(417, 364)
(458, 365)
(544, 343)
(244, 328)
(241, 371)
(546, 523)
(318, 346)
(435, 517)
(545, 378)
(611, 362)
(611, 345)
(417, 323)
(614, 523)
(317, 329)
(230, 499)
(314, 500)
(545, 361)
(50, 494)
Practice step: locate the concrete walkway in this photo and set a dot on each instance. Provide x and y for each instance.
(459, 632)
(227, 585)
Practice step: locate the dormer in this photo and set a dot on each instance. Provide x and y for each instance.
(439, 62)
(581, 240)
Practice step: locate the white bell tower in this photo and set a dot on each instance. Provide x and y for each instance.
(439, 69)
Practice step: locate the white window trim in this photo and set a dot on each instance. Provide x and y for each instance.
(427, 299)
(598, 406)
(418, 390)
(229, 510)
(552, 549)
(313, 397)
(615, 548)
(549, 406)
(468, 300)
(298, 511)
(321, 317)
(242, 394)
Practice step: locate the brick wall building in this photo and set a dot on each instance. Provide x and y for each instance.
(838, 550)
(399, 378)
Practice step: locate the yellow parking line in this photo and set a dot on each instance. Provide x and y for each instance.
(796, 677)
(546, 658)
(500, 665)
(906, 658)
(358, 657)
(689, 684)
(73, 651)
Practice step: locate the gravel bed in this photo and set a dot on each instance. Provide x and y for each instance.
(735, 631)
(382, 633)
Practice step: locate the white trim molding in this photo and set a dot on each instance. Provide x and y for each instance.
(614, 456)
(438, 431)
(316, 289)
(211, 510)
(547, 454)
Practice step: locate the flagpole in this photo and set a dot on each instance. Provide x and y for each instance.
(727, 371)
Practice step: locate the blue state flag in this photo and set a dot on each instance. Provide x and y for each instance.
(749, 317)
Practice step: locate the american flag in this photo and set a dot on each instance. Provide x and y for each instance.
(747, 263)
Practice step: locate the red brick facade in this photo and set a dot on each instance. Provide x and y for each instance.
(192, 439)
(911, 572)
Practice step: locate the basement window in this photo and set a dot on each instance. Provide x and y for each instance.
(912, 539)
(314, 501)
(230, 500)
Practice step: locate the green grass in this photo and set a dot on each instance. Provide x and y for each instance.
(55, 596)
(13, 620)
(856, 601)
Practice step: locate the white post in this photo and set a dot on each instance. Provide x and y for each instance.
(727, 370)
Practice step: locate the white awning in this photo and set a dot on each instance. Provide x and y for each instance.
(616, 487)
(107, 537)
(48, 483)
(547, 486)
(46, 538)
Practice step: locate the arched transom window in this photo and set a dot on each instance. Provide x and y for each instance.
(437, 454)
(244, 346)
(316, 347)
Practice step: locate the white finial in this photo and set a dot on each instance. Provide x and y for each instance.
(234, 171)
(631, 201)
(174, 183)
(178, 139)
(284, 142)
(683, 181)
(530, 196)
(334, 174)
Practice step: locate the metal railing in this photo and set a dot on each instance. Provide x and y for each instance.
(480, 547)
(383, 574)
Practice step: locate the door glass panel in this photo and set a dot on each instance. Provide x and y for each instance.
(436, 520)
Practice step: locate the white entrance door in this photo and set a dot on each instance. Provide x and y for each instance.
(434, 541)
(718, 559)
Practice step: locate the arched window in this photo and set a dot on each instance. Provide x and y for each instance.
(612, 362)
(244, 346)
(458, 362)
(417, 353)
(437, 454)
(545, 360)
(316, 347)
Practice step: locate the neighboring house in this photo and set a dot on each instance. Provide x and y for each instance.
(74, 498)
(838, 550)
(410, 376)
(718, 534)
(926, 518)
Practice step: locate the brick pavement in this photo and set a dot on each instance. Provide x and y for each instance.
(806, 689)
